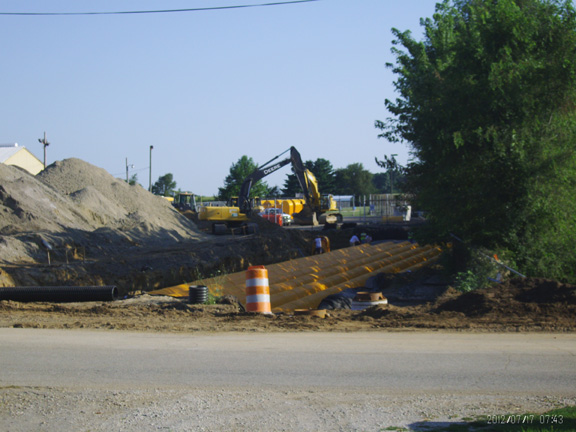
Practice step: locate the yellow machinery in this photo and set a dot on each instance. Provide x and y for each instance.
(315, 208)
(221, 214)
(185, 201)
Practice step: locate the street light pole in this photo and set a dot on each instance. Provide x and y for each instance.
(150, 172)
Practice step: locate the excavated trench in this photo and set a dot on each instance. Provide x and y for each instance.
(74, 224)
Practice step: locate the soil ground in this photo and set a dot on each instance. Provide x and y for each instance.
(520, 305)
(75, 225)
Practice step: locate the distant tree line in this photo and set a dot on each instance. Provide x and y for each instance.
(351, 180)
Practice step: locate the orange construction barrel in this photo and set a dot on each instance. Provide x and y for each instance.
(257, 290)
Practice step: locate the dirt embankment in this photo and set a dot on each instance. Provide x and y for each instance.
(75, 224)
(102, 231)
(80, 212)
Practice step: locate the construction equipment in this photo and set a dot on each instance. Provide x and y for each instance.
(317, 208)
(185, 201)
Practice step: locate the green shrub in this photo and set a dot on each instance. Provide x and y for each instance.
(482, 269)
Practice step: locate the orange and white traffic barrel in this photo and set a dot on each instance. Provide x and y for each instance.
(257, 290)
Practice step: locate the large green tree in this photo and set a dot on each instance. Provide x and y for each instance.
(354, 180)
(239, 171)
(164, 186)
(381, 182)
(487, 104)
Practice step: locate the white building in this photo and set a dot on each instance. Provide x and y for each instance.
(13, 154)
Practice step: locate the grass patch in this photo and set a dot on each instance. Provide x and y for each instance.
(557, 420)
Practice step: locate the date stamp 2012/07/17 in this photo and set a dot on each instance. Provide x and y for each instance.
(543, 419)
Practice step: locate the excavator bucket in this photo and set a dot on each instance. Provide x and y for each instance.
(306, 217)
(329, 218)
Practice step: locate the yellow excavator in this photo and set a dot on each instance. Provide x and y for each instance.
(184, 201)
(317, 208)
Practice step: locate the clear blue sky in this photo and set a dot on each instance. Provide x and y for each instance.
(204, 88)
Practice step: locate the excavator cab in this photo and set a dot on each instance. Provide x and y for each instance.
(255, 203)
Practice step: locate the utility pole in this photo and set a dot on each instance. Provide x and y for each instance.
(392, 169)
(127, 173)
(46, 144)
(150, 172)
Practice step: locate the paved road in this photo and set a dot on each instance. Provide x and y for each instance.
(54, 380)
(395, 362)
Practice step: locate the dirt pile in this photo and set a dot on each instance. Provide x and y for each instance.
(73, 204)
(520, 304)
(102, 231)
(28, 205)
(108, 202)
(519, 299)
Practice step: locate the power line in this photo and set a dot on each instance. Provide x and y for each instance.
(131, 171)
(157, 11)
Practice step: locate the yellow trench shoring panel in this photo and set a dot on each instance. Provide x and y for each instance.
(303, 283)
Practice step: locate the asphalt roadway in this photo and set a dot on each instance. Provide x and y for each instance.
(533, 363)
(55, 380)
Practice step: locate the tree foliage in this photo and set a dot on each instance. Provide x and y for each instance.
(133, 179)
(381, 182)
(291, 185)
(354, 180)
(322, 170)
(239, 171)
(392, 181)
(486, 102)
(164, 186)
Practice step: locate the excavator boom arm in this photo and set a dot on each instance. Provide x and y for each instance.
(262, 171)
(307, 181)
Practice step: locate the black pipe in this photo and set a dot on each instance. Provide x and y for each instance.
(60, 294)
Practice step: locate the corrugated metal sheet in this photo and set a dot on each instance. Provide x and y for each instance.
(304, 282)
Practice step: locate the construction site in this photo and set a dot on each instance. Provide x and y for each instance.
(74, 226)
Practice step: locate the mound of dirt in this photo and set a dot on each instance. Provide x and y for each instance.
(520, 304)
(518, 298)
(28, 205)
(72, 205)
(108, 201)
(75, 224)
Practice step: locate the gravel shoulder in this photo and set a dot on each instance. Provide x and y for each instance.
(263, 409)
